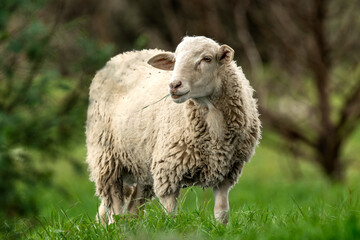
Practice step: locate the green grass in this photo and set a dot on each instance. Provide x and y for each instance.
(299, 219)
(274, 199)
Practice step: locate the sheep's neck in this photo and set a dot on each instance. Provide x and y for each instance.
(224, 109)
(218, 111)
(213, 117)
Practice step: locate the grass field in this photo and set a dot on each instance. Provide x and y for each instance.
(274, 199)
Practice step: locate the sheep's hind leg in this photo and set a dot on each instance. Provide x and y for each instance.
(112, 203)
(221, 207)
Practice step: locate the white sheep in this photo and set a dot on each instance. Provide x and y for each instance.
(138, 147)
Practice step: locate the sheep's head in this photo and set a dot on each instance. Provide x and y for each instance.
(195, 66)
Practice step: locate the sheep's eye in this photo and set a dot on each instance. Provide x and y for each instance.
(207, 59)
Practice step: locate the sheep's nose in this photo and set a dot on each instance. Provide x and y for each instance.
(175, 84)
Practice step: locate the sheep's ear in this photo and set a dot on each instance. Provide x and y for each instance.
(164, 61)
(225, 54)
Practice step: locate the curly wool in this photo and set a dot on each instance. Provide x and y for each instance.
(199, 156)
(166, 146)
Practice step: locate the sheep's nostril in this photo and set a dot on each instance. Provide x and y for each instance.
(178, 84)
(175, 84)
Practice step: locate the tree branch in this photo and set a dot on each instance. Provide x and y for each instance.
(319, 63)
(350, 113)
(285, 127)
(244, 36)
(172, 21)
(346, 26)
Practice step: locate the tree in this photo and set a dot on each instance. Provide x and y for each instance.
(314, 45)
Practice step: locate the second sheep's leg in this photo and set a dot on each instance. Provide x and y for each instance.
(221, 207)
(136, 200)
(169, 202)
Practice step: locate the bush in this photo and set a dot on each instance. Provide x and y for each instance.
(43, 96)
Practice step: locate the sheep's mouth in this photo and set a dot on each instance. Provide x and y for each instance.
(176, 96)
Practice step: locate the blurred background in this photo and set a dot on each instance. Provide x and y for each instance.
(302, 58)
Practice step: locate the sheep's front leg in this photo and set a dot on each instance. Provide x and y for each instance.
(166, 183)
(169, 202)
(221, 208)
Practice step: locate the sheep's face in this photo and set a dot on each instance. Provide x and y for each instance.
(195, 65)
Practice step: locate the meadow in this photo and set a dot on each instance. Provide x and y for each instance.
(275, 198)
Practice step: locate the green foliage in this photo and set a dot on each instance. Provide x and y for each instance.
(42, 111)
(141, 42)
(15, 169)
(93, 59)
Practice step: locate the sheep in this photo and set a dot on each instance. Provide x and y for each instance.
(201, 134)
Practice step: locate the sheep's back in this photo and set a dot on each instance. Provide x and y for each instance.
(121, 105)
(128, 82)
